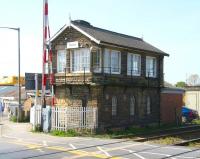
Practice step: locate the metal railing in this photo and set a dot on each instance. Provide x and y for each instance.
(85, 72)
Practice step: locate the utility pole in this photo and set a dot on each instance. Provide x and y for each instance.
(19, 78)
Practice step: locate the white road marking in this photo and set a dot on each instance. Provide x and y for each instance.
(130, 151)
(182, 157)
(177, 148)
(40, 150)
(11, 137)
(122, 147)
(19, 140)
(151, 145)
(138, 155)
(44, 143)
(155, 153)
(72, 146)
(106, 153)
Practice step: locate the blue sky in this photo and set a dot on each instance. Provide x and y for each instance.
(172, 26)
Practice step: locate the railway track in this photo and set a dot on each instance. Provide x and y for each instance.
(187, 142)
(141, 137)
(164, 135)
(190, 132)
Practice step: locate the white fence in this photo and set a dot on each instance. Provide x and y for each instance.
(64, 118)
(35, 115)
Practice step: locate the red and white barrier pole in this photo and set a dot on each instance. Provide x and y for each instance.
(44, 62)
(46, 31)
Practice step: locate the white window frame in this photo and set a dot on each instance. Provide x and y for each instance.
(132, 106)
(151, 66)
(61, 67)
(114, 105)
(109, 56)
(98, 66)
(131, 69)
(80, 60)
(148, 105)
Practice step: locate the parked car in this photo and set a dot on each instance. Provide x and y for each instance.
(189, 114)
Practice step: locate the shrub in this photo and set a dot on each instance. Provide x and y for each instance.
(68, 133)
(37, 128)
(13, 118)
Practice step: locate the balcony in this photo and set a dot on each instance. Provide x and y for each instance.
(104, 76)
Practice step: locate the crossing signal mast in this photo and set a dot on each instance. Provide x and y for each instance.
(47, 70)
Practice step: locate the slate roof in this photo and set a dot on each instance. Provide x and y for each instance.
(116, 38)
(104, 37)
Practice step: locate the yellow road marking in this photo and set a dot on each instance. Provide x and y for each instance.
(59, 148)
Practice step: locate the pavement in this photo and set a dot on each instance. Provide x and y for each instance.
(18, 142)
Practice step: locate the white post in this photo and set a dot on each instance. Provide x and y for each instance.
(36, 88)
(35, 102)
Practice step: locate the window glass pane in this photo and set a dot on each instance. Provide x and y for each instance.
(129, 64)
(115, 61)
(151, 67)
(134, 64)
(112, 61)
(107, 61)
(61, 60)
(81, 60)
(97, 61)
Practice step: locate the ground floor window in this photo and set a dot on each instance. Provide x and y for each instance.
(132, 105)
(114, 105)
(148, 105)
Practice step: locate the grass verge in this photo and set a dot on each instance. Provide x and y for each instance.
(113, 133)
(168, 140)
(68, 133)
(196, 121)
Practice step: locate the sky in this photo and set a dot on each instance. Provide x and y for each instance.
(172, 26)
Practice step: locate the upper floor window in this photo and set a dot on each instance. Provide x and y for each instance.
(97, 61)
(133, 64)
(112, 61)
(132, 105)
(114, 105)
(80, 60)
(61, 61)
(151, 67)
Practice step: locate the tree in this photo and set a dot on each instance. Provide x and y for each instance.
(181, 84)
(193, 80)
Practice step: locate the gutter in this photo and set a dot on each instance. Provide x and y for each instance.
(130, 48)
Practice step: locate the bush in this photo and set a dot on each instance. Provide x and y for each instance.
(13, 118)
(196, 121)
(68, 133)
(37, 128)
(22, 120)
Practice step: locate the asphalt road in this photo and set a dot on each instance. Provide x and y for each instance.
(46, 147)
(18, 143)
